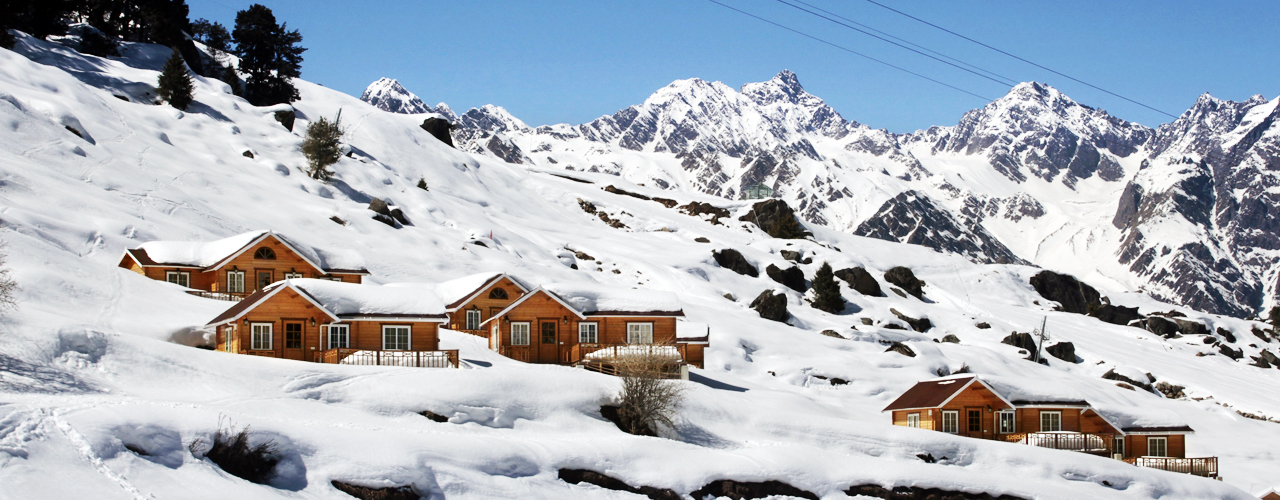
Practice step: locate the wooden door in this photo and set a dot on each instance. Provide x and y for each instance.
(548, 342)
(973, 425)
(293, 340)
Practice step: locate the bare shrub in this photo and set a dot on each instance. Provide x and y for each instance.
(648, 400)
(232, 452)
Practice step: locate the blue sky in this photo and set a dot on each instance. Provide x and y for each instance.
(558, 61)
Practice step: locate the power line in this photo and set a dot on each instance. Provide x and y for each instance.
(1069, 77)
(1005, 82)
(846, 49)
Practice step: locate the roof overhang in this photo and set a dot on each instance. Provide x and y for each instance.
(245, 306)
(405, 318)
(476, 293)
(265, 235)
(529, 295)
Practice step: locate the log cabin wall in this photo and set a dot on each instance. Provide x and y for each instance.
(1136, 446)
(542, 308)
(487, 306)
(1029, 419)
(974, 398)
(285, 261)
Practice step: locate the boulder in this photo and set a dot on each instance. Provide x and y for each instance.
(771, 306)
(791, 277)
(902, 349)
(439, 128)
(777, 219)
(1065, 351)
(1261, 334)
(791, 255)
(861, 281)
(1226, 334)
(1021, 341)
(1171, 391)
(371, 493)
(701, 239)
(1112, 375)
(1227, 351)
(380, 206)
(920, 325)
(905, 279)
(983, 326)
(729, 488)
(1188, 327)
(1269, 358)
(286, 118)
(1116, 315)
(833, 334)
(951, 339)
(734, 261)
(398, 215)
(1072, 295)
(893, 326)
(1162, 327)
(698, 209)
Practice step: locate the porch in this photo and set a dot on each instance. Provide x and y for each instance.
(1203, 466)
(1093, 444)
(227, 296)
(370, 357)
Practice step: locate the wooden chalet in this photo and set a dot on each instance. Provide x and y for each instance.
(333, 322)
(471, 300)
(233, 267)
(1269, 495)
(588, 325)
(970, 406)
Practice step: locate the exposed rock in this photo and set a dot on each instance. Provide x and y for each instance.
(579, 476)
(439, 128)
(750, 490)
(701, 239)
(1116, 315)
(919, 493)
(1226, 334)
(734, 261)
(1269, 358)
(1112, 375)
(338, 220)
(893, 326)
(1065, 351)
(433, 416)
(867, 321)
(286, 118)
(1227, 351)
(791, 277)
(1072, 295)
(904, 278)
(1161, 327)
(247, 154)
(1021, 341)
(983, 326)
(777, 219)
(386, 493)
(1171, 391)
(699, 209)
(914, 218)
(590, 208)
(832, 333)
(861, 281)
(380, 206)
(771, 306)
(385, 219)
(399, 216)
(920, 325)
(1187, 327)
(791, 255)
(950, 339)
(902, 349)
(1260, 334)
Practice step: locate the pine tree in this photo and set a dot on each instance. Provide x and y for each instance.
(321, 147)
(826, 291)
(232, 77)
(175, 82)
(269, 55)
(422, 184)
(212, 34)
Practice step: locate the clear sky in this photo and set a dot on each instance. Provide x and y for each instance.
(571, 61)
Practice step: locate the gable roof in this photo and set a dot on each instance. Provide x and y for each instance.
(599, 300)
(529, 295)
(211, 255)
(936, 393)
(1130, 420)
(457, 292)
(351, 301)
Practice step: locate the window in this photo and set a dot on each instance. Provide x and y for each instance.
(227, 334)
(548, 329)
(395, 338)
(473, 319)
(1008, 422)
(332, 278)
(235, 281)
(975, 420)
(178, 278)
(498, 294)
(951, 422)
(261, 337)
(1118, 445)
(1157, 447)
(913, 420)
(1050, 421)
(519, 334)
(292, 276)
(588, 333)
(639, 333)
(264, 253)
(264, 279)
(339, 336)
(293, 335)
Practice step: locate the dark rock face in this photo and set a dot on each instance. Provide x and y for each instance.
(1187, 327)
(1265, 357)
(388, 95)
(1021, 341)
(1116, 315)
(1227, 335)
(1227, 351)
(771, 307)
(791, 255)
(1171, 391)
(791, 277)
(433, 416)
(1162, 327)
(861, 281)
(914, 218)
(1065, 351)
(700, 209)
(777, 219)
(905, 279)
(286, 118)
(734, 261)
(439, 128)
(742, 490)
(920, 325)
(920, 493)
(1145, 385)
(368, 493)
(902, 349)
(579, 476)
(950, 339)
(1073, 295)
(983, 326)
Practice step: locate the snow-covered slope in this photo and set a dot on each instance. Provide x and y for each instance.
(1034, 175)
(93, 359)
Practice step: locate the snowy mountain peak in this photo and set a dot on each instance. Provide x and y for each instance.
(388, 95)
(492, 118)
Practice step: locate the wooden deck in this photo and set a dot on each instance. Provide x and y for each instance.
(1203, 466)
(1094, 444)
(227, 296)
(367, 357)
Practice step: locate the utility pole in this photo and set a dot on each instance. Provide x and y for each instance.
(1043, 334)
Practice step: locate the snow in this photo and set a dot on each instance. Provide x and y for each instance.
(692, 330)
(457, 289)
(97, 357)
(589, 298)
(1032, 390)
(1135, 417)
(623, 352)
(198, 253)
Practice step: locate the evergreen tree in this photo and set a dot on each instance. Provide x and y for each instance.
(826, 291)
(321, 147)
(268, 54)
(232, 77)
(175, 82)
(212, 34)
(163, 21)
(39, 18)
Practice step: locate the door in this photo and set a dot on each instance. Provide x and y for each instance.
(549, 342)
(264, 278)
(293, 340)
(973, 422)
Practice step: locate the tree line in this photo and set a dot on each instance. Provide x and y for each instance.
(269, 53)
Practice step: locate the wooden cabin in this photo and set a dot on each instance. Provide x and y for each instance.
(233, 267)
(471, 300)
(334, 322)
(576, 324)
(970, 406)
(1269, 495)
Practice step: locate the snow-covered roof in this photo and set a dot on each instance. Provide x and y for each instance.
(690, 331)
(349, 300)
(1138, 420)
(212, 254)
(593, 299)
(1032, 392)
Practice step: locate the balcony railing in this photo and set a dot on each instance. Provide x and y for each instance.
(227, 296)
(600, 352)
(1098, 444)
(1203, 466)
(368, 357)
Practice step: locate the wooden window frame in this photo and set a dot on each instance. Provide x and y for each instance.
(257, 278)
(954, 421)
(230, 282)
(592, 337)
(302, 333)
(181, 275)
(408, 340)
(1118, 445)
(1007, 417)
(1164, 445)
(228, 333)
(467, 322)
(494, 294)
(527, 333)
(264, 253)
(346, 341)
(255, 342)
(293, 275)
(913, 420)
(640, 323)
(542, 335)
(1044, 414)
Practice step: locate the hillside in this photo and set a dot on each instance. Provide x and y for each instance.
(97, 357)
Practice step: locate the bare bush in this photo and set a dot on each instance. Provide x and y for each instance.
(648, 399)
(232, 452)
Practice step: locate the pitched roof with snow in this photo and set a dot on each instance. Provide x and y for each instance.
(1028, 392)
(689, 332)
(1142, 420)
(350, 300)
(600, 300)
(930, 393)
(212, 254)
(459, 291)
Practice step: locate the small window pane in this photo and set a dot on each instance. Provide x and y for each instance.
(261, 337)
(548, 332)
(292, 276)
(588, 333)
(265, 253)
(1050, 421)
(498, 294)
(395, 338)
(339, 336)
(293, 335)
(519, 334)
(473, 319)
(975, 420)
(913, 420)
(639, 333)
(235, 281)
(951, 422)
(1007, 422)
(1157, 447)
